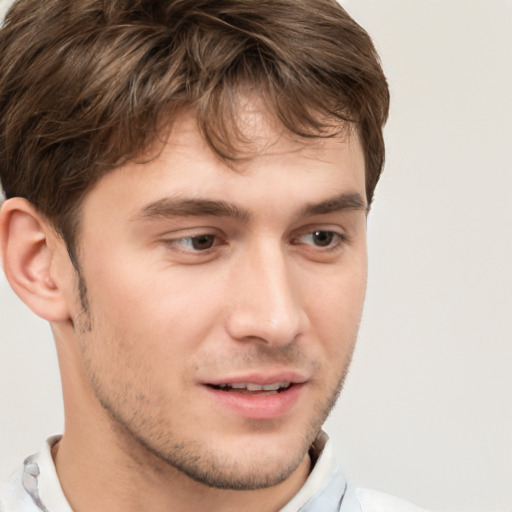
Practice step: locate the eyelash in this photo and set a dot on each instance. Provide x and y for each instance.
(335, 241)
(178, 245)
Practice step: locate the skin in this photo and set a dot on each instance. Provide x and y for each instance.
(178, 296)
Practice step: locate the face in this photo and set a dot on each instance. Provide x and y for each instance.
(222, 305)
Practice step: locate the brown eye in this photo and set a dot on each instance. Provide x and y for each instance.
(192, 244)
(322, 238)
(202, 242)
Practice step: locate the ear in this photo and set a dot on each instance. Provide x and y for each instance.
(30, 253)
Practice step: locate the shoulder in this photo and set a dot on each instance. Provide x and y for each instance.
(375, 501)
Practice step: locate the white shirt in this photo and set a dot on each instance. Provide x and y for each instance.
(35, 487)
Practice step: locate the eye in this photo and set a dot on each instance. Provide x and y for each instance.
(322, 238)
(196, 243)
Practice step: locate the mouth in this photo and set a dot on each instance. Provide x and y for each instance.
(253, 389)
(258, 396)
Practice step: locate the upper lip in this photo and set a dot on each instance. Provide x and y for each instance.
(260, 378)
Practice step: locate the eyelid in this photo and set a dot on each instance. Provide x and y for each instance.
(191, 239)
(175, 241)
(341, 238)
(179, 239)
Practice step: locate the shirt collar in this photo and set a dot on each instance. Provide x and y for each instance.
(41, 482)
(325, 487)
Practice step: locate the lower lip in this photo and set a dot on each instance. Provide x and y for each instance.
(257, 407)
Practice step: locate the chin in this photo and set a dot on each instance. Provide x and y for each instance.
(233, 474)
(257, 461)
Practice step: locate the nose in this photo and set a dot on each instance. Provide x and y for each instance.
(265, 300)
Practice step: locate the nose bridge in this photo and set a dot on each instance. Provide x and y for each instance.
(266, 302)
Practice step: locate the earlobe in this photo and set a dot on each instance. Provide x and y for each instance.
(29, 248)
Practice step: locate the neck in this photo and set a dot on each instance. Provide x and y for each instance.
(94, 477)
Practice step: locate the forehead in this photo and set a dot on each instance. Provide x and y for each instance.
(250, 130)
(270, 165)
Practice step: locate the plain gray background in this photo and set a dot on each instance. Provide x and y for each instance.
(426, 413)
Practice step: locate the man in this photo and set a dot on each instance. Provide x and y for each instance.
(187, 184)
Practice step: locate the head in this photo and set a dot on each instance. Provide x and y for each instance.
(199, 174)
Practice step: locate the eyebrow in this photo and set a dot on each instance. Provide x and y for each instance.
(346, 201)
(172, 207)
(168, 207)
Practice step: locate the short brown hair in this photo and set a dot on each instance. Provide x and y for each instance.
(86, 85)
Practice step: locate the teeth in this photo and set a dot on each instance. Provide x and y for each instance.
(256, 387)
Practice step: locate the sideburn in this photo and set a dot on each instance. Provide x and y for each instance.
(83, 322)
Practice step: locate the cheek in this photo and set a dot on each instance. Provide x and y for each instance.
(336, 311)
(340, 289)
(155, 313)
